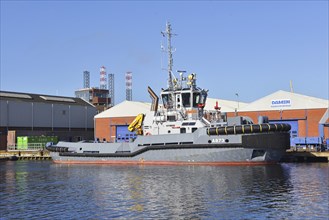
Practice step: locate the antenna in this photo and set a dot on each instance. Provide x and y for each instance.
(169, 50)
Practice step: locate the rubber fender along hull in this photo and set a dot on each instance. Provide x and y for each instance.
(248, 129)
(57, 149)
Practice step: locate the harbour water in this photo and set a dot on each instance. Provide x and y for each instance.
(44, 190)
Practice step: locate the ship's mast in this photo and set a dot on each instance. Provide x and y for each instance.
(170, 59)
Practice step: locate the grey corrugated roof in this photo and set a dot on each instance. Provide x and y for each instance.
(29, 97)
(289, 100)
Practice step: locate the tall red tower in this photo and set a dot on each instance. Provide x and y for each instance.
(102, 80)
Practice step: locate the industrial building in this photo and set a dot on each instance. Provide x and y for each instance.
(26, 114)
(98, 97)
(308, 116)
(101, 97)
(111, 125)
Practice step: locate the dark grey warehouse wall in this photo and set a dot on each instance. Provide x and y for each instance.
(34, 115)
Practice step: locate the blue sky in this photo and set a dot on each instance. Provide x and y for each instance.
(252, 48)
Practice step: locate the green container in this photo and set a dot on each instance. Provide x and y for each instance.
(53, 139)
(22, 143)
(31, 140)
(37, 139)
(19, 142)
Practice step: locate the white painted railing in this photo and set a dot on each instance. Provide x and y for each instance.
(28, 147)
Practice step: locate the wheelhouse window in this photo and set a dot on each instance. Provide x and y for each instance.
(165, 100)
(196, 98)
(186, 98)
(199, 99)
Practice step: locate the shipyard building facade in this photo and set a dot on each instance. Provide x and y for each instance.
(308, 116)
(112, 124)
(25, 114)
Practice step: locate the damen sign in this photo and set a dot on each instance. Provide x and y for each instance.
(281, 103)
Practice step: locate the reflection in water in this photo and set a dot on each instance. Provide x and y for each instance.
(46, 190)
(135, 191)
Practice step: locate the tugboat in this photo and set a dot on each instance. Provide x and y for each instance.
(179, 131)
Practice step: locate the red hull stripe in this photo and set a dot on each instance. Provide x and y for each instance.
(166, 163)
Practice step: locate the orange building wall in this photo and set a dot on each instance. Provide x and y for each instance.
(326, 129)
(105, 128)
(308, 119)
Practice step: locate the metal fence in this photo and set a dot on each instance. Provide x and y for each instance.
(28, 147)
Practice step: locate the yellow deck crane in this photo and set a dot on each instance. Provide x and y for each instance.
(136, 125)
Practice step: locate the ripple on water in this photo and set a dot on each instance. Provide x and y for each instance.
(43, 190)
